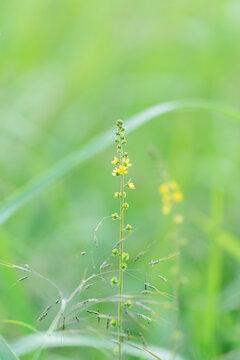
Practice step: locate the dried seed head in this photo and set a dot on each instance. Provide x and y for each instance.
(138, 256)
(144, 317)
(150, 286)
(163, 278)
(143, 339)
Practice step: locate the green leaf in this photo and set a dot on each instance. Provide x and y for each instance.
(32, 189)
(30, 343)
(6, 353)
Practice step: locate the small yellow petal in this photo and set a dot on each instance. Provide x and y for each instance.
(163, 189)
(116, 172)
(178, 196)
(126, 162)
(122, 170)
(115, 160)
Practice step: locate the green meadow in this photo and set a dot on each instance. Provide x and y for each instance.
(69, 69)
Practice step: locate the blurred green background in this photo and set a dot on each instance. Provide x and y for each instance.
(68, 70)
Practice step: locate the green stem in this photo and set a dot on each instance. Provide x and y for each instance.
(120, 271)
(176, 298)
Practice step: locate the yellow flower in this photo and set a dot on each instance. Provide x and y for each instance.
(126, 162)
(178, 196)
(167, 209)
(178, 219)
(163, 189)
(122, 170)
(174, 185)
(115, 161)
(115, 172)
(131, 185)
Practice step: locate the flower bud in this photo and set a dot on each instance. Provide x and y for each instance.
(119, 123)
(125, 256)
(115, 252)
(128, 304)
(123, 266)
(117, 195)
(113, 323)
(131, 185)
(125, 206)
(114, 281)
(115, 216)
(128, 227)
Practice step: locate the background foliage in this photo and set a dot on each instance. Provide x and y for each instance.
(68, 70)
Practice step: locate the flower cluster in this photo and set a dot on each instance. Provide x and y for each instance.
(122, 164)
(171, 194)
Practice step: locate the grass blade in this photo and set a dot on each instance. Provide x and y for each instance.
(6, 353)
(32, 189)
(30, 343)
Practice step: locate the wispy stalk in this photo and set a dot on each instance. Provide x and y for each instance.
(123, 163)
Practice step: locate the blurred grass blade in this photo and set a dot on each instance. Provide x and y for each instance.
(230, 244)
(19, 323)
(32, 189)
(30, 343)
(228, 241)
(6, 353)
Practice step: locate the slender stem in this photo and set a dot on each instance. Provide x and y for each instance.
(176, 298)
(120, 270)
